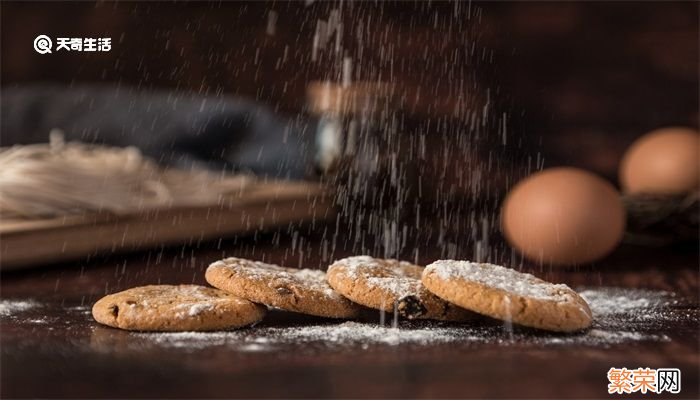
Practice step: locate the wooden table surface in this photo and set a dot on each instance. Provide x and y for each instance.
(57, 350)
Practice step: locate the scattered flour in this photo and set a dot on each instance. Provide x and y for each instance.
(309, 279)
(9, 308)
(193, 309)
(359, 333)
(400, 278)
(253, 347)
(605, 302)
(197, 309)
(332, 335)
(631, 308)
(189, 340)
(617, 314)
(620, 316)
(38, 321)
(498, 277)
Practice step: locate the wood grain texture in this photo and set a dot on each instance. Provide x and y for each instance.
(26, 243)
(71, 356)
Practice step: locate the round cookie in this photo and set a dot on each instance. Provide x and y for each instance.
(384, 284)
(300, 290)
(509, 295)
(175, 308)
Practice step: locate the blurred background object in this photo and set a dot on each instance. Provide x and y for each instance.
(222, 133)
(488, 93)
(563, 216)
(663, 162)
(579, 81)
(661, 220)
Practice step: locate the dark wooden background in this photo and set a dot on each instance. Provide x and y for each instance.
(68, 355)
(579, 81)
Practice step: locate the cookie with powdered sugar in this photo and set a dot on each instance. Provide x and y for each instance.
(175, 308)
(508, 295)
(304, 291)
(390, 285)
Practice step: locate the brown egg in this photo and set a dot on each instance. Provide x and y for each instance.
(563, 216)
(664, 161)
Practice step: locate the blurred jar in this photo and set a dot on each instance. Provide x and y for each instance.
(362, 150)
(356, 123)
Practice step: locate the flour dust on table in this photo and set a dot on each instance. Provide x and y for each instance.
(620, 316)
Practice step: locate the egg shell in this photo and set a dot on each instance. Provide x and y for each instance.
(665, 161)
(563, 216)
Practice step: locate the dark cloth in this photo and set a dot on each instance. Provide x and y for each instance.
(173, 128)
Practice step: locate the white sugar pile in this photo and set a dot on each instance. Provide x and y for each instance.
(9, 308)
(621, 315)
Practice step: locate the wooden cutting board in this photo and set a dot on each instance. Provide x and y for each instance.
(27, 243)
